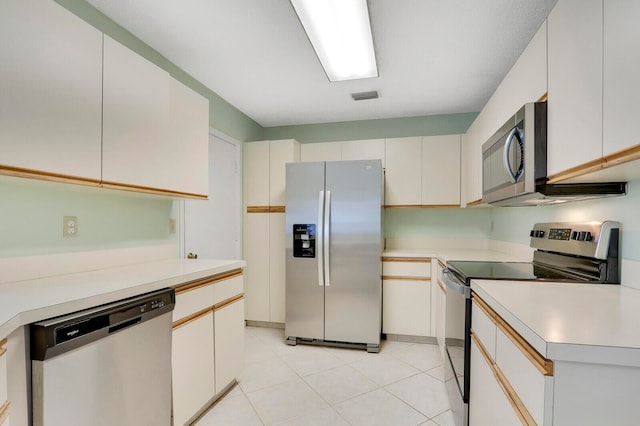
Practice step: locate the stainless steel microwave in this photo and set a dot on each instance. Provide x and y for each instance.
(514, 165)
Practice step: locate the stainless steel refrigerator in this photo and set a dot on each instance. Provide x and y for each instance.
(333, 253)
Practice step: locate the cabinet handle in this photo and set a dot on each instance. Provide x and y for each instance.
(320, 238)
(327, 239)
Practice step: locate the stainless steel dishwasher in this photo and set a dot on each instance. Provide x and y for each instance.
(110, 365)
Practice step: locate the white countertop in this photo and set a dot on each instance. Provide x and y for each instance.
(446, 255)
(28, 301)
(570, 322)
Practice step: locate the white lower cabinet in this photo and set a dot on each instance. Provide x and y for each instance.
(264, 241)
(229, 343)
(192, 367)
(208, 342)
(406, 296)
(511, 383)
(489, 405)
(4, 399)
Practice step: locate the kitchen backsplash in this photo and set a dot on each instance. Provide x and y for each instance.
(31, 218)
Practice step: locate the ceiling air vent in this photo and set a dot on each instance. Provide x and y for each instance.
(362, 96)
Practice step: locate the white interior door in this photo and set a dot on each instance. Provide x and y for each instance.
(212, 227)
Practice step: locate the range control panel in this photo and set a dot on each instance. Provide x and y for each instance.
(581, 238)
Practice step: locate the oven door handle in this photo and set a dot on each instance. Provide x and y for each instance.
(453, 283)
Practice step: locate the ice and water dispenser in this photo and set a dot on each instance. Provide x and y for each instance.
(304, 240)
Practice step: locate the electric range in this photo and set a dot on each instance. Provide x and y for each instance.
(583, 252)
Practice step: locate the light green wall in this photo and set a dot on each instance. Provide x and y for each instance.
(32, 213)
(222, 115)
(372, 129)
(445, 223)
(513, 223)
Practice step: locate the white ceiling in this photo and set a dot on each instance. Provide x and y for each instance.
(434, 56)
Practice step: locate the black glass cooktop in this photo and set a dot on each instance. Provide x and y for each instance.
(517, 271)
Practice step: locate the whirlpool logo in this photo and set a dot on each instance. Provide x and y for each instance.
(73, 332)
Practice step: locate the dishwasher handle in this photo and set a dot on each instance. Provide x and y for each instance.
(454, 283)
(58, 335)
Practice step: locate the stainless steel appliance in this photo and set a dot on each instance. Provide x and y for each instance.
(569, 252)
(514, 165)
(333, 253)
(110, 365)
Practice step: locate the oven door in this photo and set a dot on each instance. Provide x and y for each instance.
(457, 345)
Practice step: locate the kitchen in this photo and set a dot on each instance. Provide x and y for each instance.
(115, 220)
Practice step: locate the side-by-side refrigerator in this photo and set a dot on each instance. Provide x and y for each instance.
(333, 253)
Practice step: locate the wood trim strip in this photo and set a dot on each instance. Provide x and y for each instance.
(228, 302)
(442, 265)
(407, 259)
(517, 405)
(543, 98)
(405, 278)
(186, 320)
(208, 280)
(442, 287)
(611, 160)
(422, 206)
(542, 364)
(4, 412)
(3, 350)
(48, 176)
(150, 190)
(266, 209)
(474, 203)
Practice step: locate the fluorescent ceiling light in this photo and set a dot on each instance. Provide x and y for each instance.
(340, 33)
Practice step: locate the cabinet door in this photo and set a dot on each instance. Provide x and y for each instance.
(370, 149)
(229, 343)
(192, 367)
(530, 72)
(471, 168)
(621, 76)
(136, 149)
(51, 90)
(574, 126)
(406, 307)
(3, 381)
(325, 151)
(189, 140)
(256, 273)
(441, 170)
(256, 173)
(403, 173)
(276, 267)
(280, 153)
(489, 404)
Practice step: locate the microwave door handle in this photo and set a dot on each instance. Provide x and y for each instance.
(515, 133)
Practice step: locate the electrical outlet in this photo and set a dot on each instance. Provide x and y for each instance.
(70, 226)
(172, 226)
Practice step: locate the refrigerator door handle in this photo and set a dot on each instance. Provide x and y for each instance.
(326, 243)
(320, 239)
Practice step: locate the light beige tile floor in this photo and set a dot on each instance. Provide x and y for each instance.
(315, 385)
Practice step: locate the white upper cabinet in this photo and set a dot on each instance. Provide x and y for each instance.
(621, 75)
(189, 139)
(370, 149)
(325, 151)
(256, 173)
(136, 96)
(574, 127)
(281, 152)
(50, 90)
(471, 167)
(441, 170)
(403, 172)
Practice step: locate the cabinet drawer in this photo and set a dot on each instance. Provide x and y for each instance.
(228, 288)
(484, 327)
(190, 301)
(406, 267)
